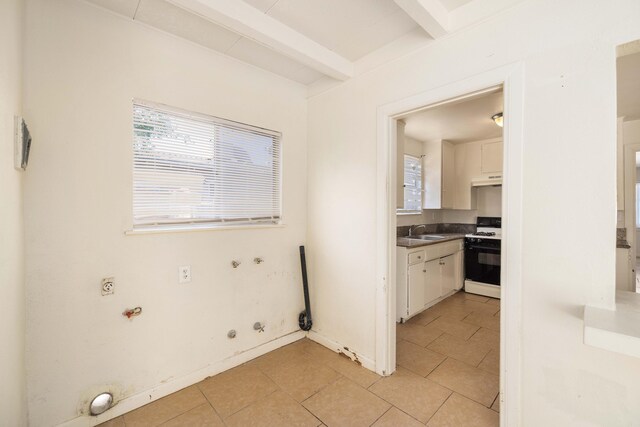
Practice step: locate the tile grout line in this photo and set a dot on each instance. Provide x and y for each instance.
(179, 415)
(460, 393)
(382, 415)
(440, 407)
(494, 401)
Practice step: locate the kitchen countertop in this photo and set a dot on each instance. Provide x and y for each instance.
(623, 244)
(407, 242)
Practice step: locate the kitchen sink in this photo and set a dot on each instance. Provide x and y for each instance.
(429, 237)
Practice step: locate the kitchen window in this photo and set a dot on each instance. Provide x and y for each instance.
(638, 205)
(412, 185)
(196, 170)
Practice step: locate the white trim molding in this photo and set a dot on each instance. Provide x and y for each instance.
(339, 348)
(511, 78)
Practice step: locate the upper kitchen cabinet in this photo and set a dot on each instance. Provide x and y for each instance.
(491, 157)
(438, 172)
(474, 162)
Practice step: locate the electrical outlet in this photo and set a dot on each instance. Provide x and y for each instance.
(108, 286)
(184, 274)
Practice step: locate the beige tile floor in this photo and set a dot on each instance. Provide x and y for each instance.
(447, 376)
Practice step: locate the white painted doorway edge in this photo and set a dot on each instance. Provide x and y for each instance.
(511, 77)
(630, 203)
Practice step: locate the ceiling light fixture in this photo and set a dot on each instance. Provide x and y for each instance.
(498, 119)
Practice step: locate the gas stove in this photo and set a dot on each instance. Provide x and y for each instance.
(487, 228)
(482, 258)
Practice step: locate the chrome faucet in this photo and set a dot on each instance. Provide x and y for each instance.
(413, 228)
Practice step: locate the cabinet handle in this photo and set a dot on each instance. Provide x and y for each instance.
(424, 271)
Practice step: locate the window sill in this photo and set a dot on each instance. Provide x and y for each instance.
(191, 228)
(615, 330)
(406, 213)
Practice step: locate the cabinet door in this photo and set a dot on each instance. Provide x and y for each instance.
(491, 157)
(448, 274)
(433, 286)
(448, 175)
(458, 262)
(416, 288)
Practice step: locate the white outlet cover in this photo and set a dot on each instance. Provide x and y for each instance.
(107, 287)
(184, 274)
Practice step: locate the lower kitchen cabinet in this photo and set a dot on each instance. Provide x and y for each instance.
(417, 286)
(426, 275)
(433, 283)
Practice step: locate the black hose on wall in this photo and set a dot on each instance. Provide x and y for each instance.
(304, 320)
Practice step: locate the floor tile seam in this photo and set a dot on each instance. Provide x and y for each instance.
(440, 384)
(382, 415)
(468, 397)
(406, 413)
(465, 396)
(244, 407)
(485, 356)
(307, 409)
(441, 405)
(386, 401)
(179, 415)
(206, 401)
(462, 361)
(471, 366)
(494, 401)
(443, 360)
(340, 376)
(327, 385)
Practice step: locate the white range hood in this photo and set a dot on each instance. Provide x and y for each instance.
(485, 181)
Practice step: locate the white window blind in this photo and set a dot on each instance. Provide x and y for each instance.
(192, 168)
(638, 205)
(412, 183)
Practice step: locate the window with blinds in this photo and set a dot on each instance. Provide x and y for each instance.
(191, 168)
(412, 184)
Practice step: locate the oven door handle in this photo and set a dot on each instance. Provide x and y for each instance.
(484, 248)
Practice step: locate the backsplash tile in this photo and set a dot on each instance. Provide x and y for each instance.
(403, 230)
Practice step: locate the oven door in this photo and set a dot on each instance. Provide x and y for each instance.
(482, 261)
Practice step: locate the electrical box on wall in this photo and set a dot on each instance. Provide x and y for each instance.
(21, 144)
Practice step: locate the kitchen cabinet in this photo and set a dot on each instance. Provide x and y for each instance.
(426, 275)
(447, 274)
(474, 161)
(416, 287)
(438, 175)
(491, 157)
(433, 282)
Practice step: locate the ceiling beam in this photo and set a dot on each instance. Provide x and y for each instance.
(431, 15)
(253, 24)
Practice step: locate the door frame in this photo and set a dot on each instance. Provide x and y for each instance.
(511, 78)
(630, 203)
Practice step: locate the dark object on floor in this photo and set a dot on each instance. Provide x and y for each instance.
(304, 320)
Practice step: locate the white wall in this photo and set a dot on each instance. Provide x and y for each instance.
(489, 201)
(567, 50)
(12, 301)
(83, 67)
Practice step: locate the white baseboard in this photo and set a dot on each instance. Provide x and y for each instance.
(339, 348)
(148, 396)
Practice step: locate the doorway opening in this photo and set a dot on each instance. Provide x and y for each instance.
(507, 82)
(628, 178)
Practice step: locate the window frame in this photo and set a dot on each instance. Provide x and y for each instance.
(195, 224)
(403, 210)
